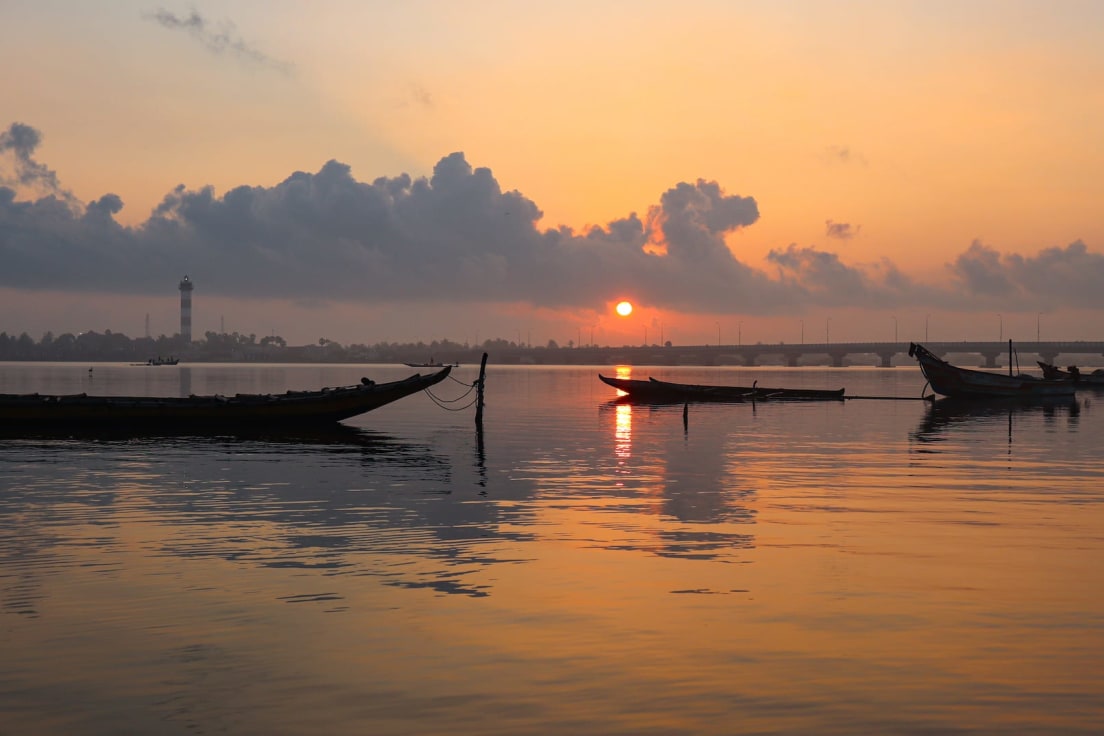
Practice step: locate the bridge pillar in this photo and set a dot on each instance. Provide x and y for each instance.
(837, 358)
(887, 359)
(791, 360)
(749, 359)
(991, 359)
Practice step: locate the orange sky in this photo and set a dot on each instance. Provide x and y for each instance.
(918, 127)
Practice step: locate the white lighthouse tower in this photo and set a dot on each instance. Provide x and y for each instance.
(186, 310)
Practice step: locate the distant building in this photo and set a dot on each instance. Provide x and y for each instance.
(186, 310)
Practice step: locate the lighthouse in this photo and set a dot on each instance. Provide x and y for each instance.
(186, 310)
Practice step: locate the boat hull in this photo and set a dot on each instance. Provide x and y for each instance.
(668, 392)
(964, 383)
(294, 408)
(1094, 380)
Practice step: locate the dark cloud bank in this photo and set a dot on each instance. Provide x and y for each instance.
(456, 237)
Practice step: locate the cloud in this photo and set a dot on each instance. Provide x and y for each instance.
(219, 41)
(844, 155)
(979, 271)
(456, 237)
(1069, 276)
(18, 144)
(818, 278)
(421, 96)
(1073, 272)
(692, 218)
(840, 230)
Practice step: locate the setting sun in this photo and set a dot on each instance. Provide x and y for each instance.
(624, 308)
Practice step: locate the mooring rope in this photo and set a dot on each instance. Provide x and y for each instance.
(444, 403)
(458, 398)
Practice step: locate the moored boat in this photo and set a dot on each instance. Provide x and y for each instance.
(293, 408)
(666, 391)
(1073, 374)
(950, 380)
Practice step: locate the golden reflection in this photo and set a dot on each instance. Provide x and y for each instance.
(622, 446)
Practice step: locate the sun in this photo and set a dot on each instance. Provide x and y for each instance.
(624, 308)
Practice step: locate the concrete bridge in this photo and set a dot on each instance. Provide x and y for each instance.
(787, 354)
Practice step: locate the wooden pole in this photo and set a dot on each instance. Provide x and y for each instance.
(479, 388)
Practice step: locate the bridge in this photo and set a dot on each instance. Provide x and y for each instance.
(835, 354)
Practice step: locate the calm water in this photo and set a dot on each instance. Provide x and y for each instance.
(583, 567)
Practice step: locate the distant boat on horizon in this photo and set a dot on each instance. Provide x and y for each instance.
(432, 364)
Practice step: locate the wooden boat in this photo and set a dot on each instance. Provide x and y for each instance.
(665, 391)
(293, 408)
(160, 361)
(949, 380)
(1092, 380)
(432, 364)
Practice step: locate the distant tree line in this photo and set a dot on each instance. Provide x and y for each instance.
(111, 346)
(105, 346)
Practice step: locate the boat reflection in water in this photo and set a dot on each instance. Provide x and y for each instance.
(947, 414)
(311, 435)
(701, 510)
(328, 498)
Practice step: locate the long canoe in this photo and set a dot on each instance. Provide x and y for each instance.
(950, 380)
(293, 408)
(665, 391)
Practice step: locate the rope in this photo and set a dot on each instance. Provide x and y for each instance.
(921, 397)
(443, 403)
(888, 398)
(451, 401)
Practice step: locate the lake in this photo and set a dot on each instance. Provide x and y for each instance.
(876, 565)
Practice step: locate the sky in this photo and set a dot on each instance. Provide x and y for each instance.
(740, 171)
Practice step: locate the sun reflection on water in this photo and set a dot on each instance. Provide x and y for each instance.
(623, 432)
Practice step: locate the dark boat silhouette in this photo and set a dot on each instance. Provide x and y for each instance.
(965, 383)
(293, 408)
(666, 391)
